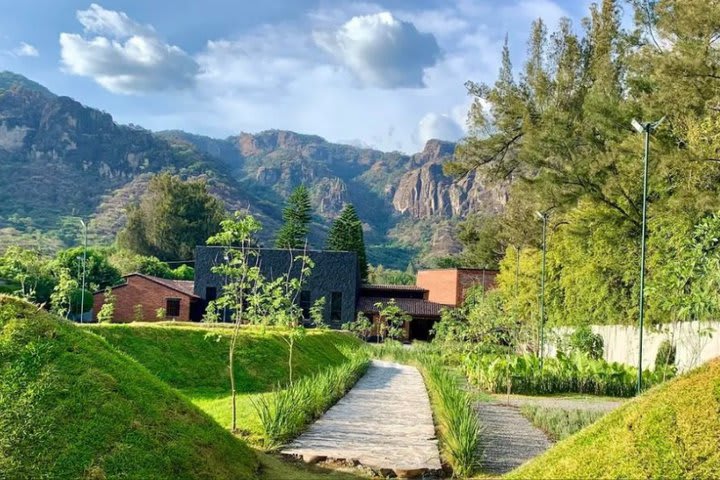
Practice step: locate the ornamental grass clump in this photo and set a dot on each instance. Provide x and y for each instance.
(459, 426)
(285, 412)
(576, 373)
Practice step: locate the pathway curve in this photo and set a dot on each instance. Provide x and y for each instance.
(508, 439)
(383, 423)
(600, 404)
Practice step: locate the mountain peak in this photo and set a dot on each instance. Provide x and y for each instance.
(438, 148)
(11, 81)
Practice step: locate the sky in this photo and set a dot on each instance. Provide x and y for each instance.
(387, 74)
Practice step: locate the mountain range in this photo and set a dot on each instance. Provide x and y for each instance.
(60, 159)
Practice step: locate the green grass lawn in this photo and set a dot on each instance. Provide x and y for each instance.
(193, 359)
(560, 423)
(671, 431)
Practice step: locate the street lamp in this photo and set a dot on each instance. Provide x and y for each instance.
(84, 270)
(644, 128)
(544, 217)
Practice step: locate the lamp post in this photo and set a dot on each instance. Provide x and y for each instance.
(544, 217)
(644, 128)
(84, 270)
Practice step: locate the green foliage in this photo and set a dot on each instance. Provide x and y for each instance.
(297, 216)
(31, 271)
(391, 320)
(456, 417)
(71, 406)
(286, 412)
(128, 262)
(346, 234)
(480, 237)
(361, 327)
(62, 296)
(317, 313)
(172, 218)
(106, 314)
(665, 355)
(560, 423)
(669, 432)
(576, 373)
(380, 275)
(585, 342)
(99, 272)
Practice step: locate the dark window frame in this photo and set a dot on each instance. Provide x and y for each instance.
(210, 293)
(169, 311)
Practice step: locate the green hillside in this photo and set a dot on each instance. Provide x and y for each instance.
(71, 406)
(672, 431)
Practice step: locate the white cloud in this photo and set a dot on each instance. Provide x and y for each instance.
(381, 50)
(25, 50)
(440, 127)
(125, 57)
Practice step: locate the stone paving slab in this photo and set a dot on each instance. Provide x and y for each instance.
(508, 439)
(383, 423)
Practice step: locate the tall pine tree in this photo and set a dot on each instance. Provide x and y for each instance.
(346, 233)
(297, 216)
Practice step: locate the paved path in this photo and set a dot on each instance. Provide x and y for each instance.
(384, 423)
(508, 439)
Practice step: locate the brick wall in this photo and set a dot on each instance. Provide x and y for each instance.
(141, 291)
(442, 285)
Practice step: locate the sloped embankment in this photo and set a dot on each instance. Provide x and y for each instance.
(671, 431)
(71, 406)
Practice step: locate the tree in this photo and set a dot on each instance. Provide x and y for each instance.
(171, 219)
(30, 272)
(392, 320)
(297, 216)
(99, 272)
(346, 234)
(480, 236)
(62, 296)
(242, 275)
(128, 262)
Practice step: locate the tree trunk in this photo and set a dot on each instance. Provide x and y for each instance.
(290, 360)
(231, 368)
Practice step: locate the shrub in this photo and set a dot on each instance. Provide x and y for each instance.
(107, 311)
(583, 340)
(665, 355)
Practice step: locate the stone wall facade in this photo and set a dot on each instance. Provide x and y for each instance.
(333, 272)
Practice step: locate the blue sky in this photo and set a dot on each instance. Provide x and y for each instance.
(386, 74)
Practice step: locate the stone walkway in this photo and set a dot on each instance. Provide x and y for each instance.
(508, 439)
(567, 403)
(384, 423)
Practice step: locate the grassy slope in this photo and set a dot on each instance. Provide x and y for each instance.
(73, 407)
(193, 360)
(671, 431)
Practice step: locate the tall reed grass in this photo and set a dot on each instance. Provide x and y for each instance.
(286, 412)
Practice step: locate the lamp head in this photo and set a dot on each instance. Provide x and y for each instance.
(637, 126)
(540, 215)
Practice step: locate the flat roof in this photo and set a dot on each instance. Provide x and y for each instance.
(387, 286)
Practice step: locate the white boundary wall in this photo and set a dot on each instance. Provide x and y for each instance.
(696, 343)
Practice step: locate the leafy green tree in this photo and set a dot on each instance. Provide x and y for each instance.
(99, 271)
(392, 320)
(30, 271)
(171, 219)
(346, 234)
(106, 314)
(360, 327)
(297, 216)
(482, 245)
(62, 297)
(388, 276)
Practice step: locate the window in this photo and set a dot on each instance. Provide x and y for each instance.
(210, 293)
(305, 303)
(172, 307)
(336, 306)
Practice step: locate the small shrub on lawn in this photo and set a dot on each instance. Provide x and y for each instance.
(284, 413)
(560, 423)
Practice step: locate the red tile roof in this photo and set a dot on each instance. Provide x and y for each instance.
(186, 287)
(413, 306)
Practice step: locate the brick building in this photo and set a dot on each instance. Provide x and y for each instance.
(449, 286)
(152, 293)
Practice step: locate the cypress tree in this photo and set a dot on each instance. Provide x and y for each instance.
(346, 233)
(297, 216)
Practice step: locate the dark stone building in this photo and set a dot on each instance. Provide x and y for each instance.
(335, 277)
